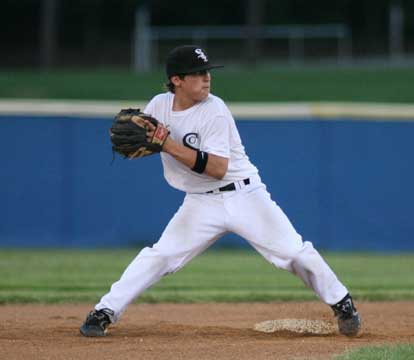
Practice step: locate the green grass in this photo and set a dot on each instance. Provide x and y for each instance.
(265, 84)
(58, 276)
(395, 352)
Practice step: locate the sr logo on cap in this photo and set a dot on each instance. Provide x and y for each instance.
(201, 55)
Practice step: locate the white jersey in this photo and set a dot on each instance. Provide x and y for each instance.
(207, 126)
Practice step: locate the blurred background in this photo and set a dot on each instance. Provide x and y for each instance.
(136, 34)
(322, 93)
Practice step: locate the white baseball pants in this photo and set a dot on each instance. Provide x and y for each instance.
(201, 220)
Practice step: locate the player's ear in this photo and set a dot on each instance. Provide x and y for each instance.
(176, 79)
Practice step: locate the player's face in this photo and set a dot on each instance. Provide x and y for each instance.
(195, 86)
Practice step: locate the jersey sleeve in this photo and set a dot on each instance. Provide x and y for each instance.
(216, 136)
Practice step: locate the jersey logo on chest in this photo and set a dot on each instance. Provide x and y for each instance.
(191, 140)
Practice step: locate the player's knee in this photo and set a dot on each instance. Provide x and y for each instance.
(152, 258)
(307, 258)
(166, 260)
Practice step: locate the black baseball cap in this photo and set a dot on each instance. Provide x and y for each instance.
(187, 59)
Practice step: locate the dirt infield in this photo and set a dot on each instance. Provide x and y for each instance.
(193, 331)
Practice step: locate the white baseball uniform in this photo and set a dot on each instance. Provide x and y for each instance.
(207, 213)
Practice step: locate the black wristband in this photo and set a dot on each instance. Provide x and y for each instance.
(201, 162)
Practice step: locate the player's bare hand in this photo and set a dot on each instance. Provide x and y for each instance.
(150, 125)
(151, 129)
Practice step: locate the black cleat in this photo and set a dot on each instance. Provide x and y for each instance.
(349, 322)
(96, 323)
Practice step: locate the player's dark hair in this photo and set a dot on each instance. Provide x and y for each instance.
(170, 86)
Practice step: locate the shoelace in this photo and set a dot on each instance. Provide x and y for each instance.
(99, 317)
(345, 309)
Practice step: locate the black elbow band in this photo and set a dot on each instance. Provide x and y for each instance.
(201, 162)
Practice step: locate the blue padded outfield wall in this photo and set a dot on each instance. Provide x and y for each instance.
(345, 184)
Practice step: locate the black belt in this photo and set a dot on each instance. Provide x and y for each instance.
(230, 187)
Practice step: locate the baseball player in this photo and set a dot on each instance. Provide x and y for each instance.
(202, 155)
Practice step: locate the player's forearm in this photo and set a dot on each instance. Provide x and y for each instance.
(181, 153)
(216, 165)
